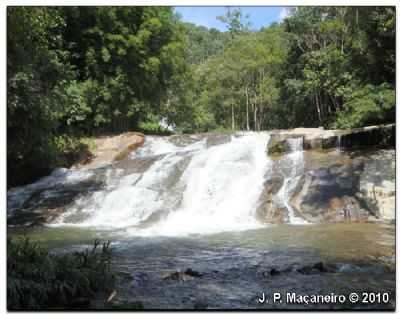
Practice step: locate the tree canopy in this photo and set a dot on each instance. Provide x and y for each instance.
(80, 71)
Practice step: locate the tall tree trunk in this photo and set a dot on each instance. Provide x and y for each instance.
(247, 110)
(255, 116)
(318, 107)
(342, 49)
(343, 31)
(357, 17)
(335, 103)
(233, 118)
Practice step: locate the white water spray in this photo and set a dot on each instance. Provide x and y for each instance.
(292, 167)
(222, 187)
(197, 190)
(173, 189)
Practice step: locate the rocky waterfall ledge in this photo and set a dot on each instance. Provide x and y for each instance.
(354, 182)
(318, 138)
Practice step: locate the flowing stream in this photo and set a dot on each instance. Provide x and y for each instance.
(190, 202)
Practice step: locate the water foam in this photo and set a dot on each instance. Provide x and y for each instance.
(292, 166)
(198, 189)
(58, 179)
(222, 186)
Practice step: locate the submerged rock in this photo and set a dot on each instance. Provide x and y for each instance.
(274, 272)
(188, 274)
(199, 305)
(129, 305)
(192, 273)
(319, 267)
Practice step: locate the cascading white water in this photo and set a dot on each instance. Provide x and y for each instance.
(222, 186)
(198, 189)
(292, 166)
(58, 179)
(172, 189)
(128, 200)
(339, 147)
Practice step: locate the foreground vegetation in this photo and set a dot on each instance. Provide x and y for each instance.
(38, 279)
(80, 71)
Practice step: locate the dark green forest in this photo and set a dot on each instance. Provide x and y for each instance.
(78, 72)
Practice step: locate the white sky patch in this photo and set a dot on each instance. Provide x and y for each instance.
(284, 14)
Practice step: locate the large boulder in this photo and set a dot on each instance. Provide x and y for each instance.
(110, 149)
(322, 196)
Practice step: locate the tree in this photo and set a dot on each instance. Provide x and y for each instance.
(36, 70)
(235, 20)
(79, 71)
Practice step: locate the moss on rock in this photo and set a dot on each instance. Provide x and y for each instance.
(277, 147)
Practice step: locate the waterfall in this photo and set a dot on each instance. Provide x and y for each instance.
(194, 188)
(292, 167)
(130, 199)
(339, 144)
(173, 186)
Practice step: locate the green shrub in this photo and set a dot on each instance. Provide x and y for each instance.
(38, 279)
(151, 127)
(277, 147)
(72, 150)
(368, 105)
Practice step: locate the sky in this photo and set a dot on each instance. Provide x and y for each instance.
(206, 16)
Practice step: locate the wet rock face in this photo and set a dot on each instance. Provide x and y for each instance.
(324, 197)
(184, 139)
(44, 200)
(112, 148)
(217, 139)
(377, 183)
(336, 187)
(325, 142)
(370, 136)
(269, 210)
(188, 274)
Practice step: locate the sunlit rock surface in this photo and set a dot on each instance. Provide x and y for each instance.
(338, 186)
(225, 177)
(317, 138)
